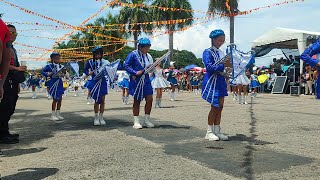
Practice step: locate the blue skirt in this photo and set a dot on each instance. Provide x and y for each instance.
(194, 83)
(98, 89)
(213, 88)
(34, 82)
(124, 83)
(140, 87)
(173, 81)
(254, 84)
(56, 88)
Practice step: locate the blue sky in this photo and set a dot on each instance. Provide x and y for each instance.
(249, 27)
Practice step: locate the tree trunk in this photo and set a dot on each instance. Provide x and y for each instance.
(135, 36)
(231, 29)
(170, 43)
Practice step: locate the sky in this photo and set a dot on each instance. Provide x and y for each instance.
(299, 15)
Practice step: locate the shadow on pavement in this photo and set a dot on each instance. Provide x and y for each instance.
(18, 152)
(32, 173)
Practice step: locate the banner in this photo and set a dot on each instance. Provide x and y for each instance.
(240, 60)
(112, 70)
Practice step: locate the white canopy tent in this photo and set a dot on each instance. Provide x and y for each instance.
(283, 38)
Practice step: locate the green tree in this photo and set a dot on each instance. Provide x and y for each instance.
(95, 34)
(219, 6)
(161, 15)
(133, 15)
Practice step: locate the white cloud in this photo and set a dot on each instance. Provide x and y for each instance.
(195, 39)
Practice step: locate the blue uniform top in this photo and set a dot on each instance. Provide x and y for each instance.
(136, 61)
(51, 67)
(95, 67)
(214, 85)
(209, 58)
(139, 86)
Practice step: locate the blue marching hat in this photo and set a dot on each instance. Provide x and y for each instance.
(97, 48)
(53, 54)
(216, 33)
(144, 42)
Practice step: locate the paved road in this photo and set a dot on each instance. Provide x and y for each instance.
(275, 137)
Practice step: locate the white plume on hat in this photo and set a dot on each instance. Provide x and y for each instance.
(172, 63)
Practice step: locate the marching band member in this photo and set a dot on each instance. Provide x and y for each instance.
(173, 81)
(55, 84)
(234, 89)
(194, 82)
(123, 83)
(76, 84)
(33, 82)
(140, 86)
(214, 87)
(306, 56)
(98, 85)
(242, 82)
(254, 84)
(158, 83)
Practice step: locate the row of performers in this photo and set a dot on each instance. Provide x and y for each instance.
(214, 87)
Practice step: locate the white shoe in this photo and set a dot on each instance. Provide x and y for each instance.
(159, 103)
(211, 137)
(240, 100)
(60, 117)
(147, 122)
(235, 97)
(54, 118)
(102, 121)
(137, 124)
(219, 134)
(96, 121)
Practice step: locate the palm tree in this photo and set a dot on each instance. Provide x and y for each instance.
(133, 15)
(220, 7)
(105, 24)
(160, 15)
(95, 34)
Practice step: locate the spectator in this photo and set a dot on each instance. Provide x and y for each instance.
(309, 80)
(271, 79)
(11, 90)
(291, 59)
(4, 54)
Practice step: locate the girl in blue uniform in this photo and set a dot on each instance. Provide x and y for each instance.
(123, 83)
(254, 84)
(306, 56)
(140, 85)
(194, 82)
(98, 85)
(214, 87)
(173, 81)
(55, 84)
(33, 82)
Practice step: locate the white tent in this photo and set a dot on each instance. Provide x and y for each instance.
(282, 38)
